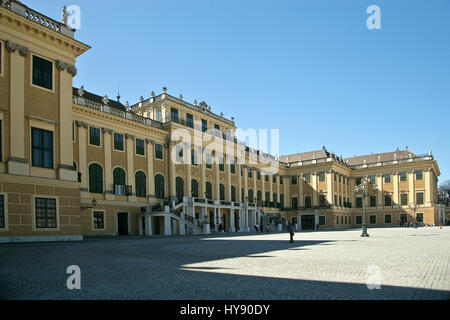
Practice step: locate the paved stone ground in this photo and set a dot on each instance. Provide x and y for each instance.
(413, 264)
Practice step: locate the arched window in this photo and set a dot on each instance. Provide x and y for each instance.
(281, 201)
(141, 184)
(233, 193)
(179, 187)
(275, 200)
(267, 199)
(209, 191)
(250, 196)
(194, 188)
(95, 178)
(222, 192)
(119, 177)
(159, 186)
(259, 198)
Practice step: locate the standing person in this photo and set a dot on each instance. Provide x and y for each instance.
(291, 233)
(256, 228)
(440, 225)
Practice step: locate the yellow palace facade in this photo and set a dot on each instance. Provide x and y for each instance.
(77, 164)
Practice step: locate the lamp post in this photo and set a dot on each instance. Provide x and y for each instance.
(364, 189)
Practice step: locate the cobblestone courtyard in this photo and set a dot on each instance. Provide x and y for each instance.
(413, 264)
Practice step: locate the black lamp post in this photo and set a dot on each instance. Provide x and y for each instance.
(364, 189)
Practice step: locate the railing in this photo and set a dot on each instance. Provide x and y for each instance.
(117, 112)
(37, 17)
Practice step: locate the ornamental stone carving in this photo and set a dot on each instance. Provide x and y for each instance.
(12, 47)
(71, 69)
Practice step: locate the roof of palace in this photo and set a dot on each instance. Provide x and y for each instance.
(380, 157)
(98, 99)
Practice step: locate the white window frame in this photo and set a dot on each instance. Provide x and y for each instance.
(113, 141)
(104, 219)
(33, 211)
(89, 137)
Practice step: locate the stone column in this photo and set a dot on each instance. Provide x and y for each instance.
(17, 164)
(239, 183)
(428, 197)
(396, 194)
(148, 226)
(301, 198)
(379, 180)
(315, 201)
(107, 140)
(232, 228)
(82, 165)
(150, 177)
(130, 165)
(412, 193)
(287, 192)
(65, 170)
(172, 184)
(330, 187)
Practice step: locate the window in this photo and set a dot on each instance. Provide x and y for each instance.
(217, 129)
(208, 161)
(275, 200)
(419, 175)
(174, 114)
(267, 199)
(118, 141)
(322, 200)
(222, 192)
(119, 181)
(42, 144)
(308, 178)
(204, 125)
(95, 178)
(340, 201)
(345, 220)
(233, 193)
(373, 219)
(266, 178)
(419, 197)
(281, 201)
(281, 180)
(45, 213)
(322, 220)
(293, 180)
(189, 120)
(358, 181)
(373, 201)
(403, 218)
(419, 217)
(321, 176)
(194, 157)
(99, 220)
(250, 173)
(232, 166)
(387, 178)
(294, 202)
(372, 179)
(141, 184)
(308, 202)
(337, 220)
(194, 188)
(73, 130)
(335, 199)
(358, 219)
(179, 188)
(274, 179)
(158, 115)
(387, 218)
(359, 203)
(221, 164)
(404, 199)
(42, 73)
(258, 175)
(140, 147)
(94, 136)
(340, 179)
(335, 177)
(402, 176)
(159, 151)
(388, 200)
(159, 186)
(2, 208)
(208, 190)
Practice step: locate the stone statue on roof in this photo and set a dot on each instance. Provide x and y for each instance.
(64, 15)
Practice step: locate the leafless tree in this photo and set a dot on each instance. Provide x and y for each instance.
(444, 189)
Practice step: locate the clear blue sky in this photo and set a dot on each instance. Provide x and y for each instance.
(309, 68)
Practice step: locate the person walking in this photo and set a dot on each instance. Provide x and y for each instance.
(291, 233)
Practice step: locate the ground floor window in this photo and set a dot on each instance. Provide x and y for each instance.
(99, 220)
(387, 218)
(419, 217)
(345, 219)
(403, 218)
(358, 219)
(322, 220)
(45, 213)
(373, 219)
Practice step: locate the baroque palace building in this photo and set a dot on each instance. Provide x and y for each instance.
(74, 163)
